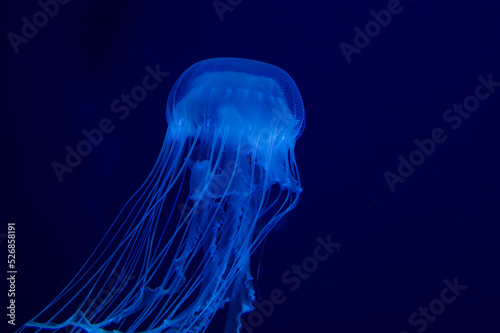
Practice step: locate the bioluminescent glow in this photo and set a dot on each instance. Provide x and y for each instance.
(180, 248)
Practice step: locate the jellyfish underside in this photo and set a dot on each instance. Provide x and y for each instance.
(225, 176)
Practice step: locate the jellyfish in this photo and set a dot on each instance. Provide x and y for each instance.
(180, 248)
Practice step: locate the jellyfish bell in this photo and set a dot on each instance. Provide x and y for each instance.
(224, 89)
(228, 163)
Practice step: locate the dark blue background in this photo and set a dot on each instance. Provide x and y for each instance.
(396, 247)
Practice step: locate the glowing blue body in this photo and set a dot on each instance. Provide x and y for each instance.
(228, 167)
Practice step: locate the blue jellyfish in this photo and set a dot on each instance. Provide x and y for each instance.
(180, 248)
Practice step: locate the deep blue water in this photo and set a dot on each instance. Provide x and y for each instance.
(399, 243)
